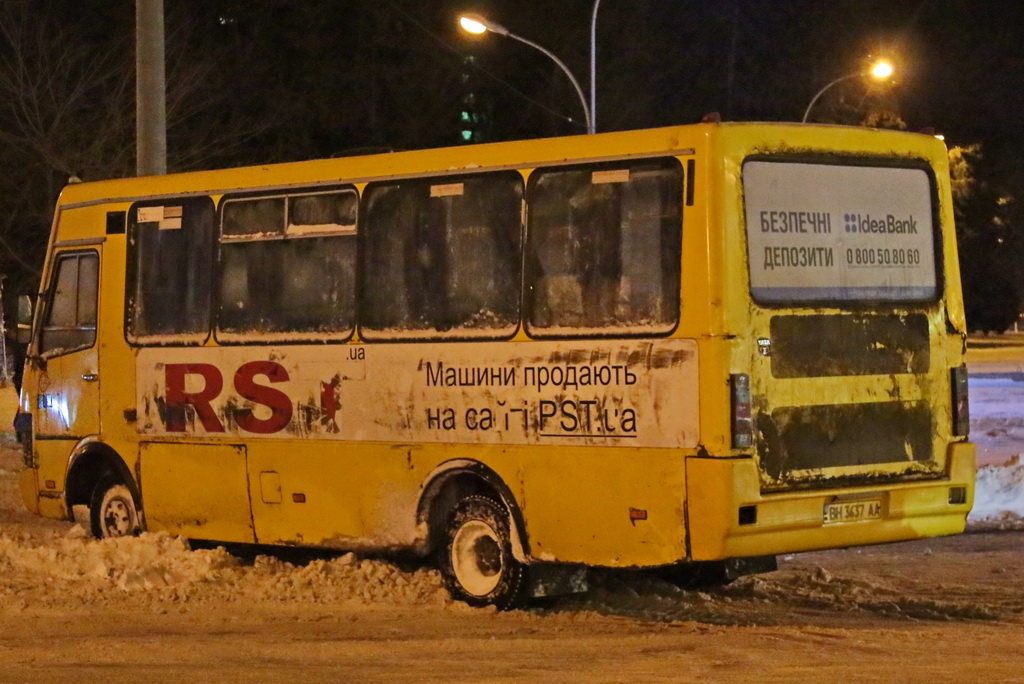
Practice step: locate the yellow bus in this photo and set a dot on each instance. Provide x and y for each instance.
(696, 346)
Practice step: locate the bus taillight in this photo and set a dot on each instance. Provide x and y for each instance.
(742, 424)
(961, 407)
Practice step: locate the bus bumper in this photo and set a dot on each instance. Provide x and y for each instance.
(729, 517)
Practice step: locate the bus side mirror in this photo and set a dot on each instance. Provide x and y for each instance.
(23, 332)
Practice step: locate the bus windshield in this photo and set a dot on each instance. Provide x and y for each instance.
(820, 233)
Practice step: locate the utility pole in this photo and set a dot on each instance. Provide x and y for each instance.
(150, 89)
(4, 377)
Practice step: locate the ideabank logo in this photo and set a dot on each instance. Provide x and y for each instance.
(865, 223)
(851, 222)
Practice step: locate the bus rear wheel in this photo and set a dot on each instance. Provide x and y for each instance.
(113, 512)
(476, 558)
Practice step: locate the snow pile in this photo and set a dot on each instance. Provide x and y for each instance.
(346, 579)
(153, 560)
(997, 429)
(159, 569)
(999, 493)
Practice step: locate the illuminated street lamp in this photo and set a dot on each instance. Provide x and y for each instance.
(472, 23)
(881, 70)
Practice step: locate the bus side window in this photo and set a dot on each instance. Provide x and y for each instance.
(71, 320)
(442, 257)
(287, 266)
(170, 264)
(603, 248)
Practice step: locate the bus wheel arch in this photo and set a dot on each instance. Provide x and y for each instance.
(99, 480)
(455, 481)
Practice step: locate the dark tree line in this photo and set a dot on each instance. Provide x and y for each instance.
(281, 80)
(989, 236)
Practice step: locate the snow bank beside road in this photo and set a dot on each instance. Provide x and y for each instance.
(158, 568)
(999, 493)
(997, 429)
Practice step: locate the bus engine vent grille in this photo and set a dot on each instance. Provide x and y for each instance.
(854, 344)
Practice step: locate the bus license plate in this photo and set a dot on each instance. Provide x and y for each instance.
(852, 511)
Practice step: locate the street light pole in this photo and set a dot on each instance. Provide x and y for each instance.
(880, 71)
(592, 127)
(807, 112)
(150, 89)
(477, 24)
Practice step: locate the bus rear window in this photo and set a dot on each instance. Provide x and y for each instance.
(819, 233)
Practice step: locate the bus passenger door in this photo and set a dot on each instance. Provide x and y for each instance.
(63, 374)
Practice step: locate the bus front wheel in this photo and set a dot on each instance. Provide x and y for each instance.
(476, 558)
(113, 512)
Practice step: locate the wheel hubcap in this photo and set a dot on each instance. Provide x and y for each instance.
(117, 518)
(476, 558)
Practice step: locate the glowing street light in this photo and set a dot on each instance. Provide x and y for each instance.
(881, 70)
(473, 23)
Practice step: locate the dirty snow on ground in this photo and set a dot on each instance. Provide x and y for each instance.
(156, 572)
(997, 427)
(999, 493)
(58, 568)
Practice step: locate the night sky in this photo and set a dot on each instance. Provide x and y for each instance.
(960, 65)
(391, 73)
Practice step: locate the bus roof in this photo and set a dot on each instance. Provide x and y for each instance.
(675, 140)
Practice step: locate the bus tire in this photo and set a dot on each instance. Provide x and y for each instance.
(113, 512)
(476, 560)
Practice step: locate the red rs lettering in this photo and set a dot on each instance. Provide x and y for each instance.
(178, 398)
(276, 400)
